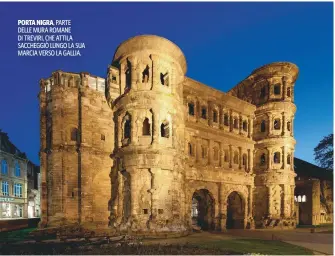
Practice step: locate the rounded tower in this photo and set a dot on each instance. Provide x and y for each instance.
(144, 89)
(273, 88)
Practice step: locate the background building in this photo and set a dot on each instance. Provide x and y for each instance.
(14, 168)
(313, 194)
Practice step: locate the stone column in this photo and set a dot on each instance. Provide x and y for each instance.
(240, 124)
(292, 200)
(122, 77)
(240, 157)
(284, 80)
(284, 157)
(134, 138)
(154, 196)
(269, 200)
(231, 122)
(221, 155)
(251, 127)
(210, 152)
(230, 156)
(269, 159)
(249, 161)
(155, 70)
(133, 192)
(220, 117)
(292, 134)
(155, 126)
(223, 207)
(198, 150)
(292, 161)
(283, 124)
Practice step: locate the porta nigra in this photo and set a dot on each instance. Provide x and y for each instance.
(148, 150)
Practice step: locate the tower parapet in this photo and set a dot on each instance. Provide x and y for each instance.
(271, 89)
(149, 117)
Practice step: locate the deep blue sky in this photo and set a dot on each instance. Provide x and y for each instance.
(222, 42)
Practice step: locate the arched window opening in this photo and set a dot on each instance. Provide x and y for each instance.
(276, 158)
(276, 89)
(262, 159)
(288, 159)
(245, 126)
(165, 129)
(203, 113)
(235, 123)
(226, 120)
(226, 158)
(303, 199)
(74, 134)
(244, 160)
(191, 109)
(4, 167)
(146, 127)
(299, 199)
(127, 128)
(289, 126)
(102, 137)
(190, 149)
(128, 75)
(262, 93)
(295, 199)
(288, 91)
(263, 126)
(145, 74)
(235, 158)
(276, 124)
(164, 79)
(203, 152)
(216, 153)
(215, 116)
(17, 169)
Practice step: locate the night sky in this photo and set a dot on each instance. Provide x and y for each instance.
(223, 42)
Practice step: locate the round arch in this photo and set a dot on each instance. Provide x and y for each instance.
(236, 210)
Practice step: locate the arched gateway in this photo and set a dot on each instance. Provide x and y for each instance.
(203, 209)
(235, 211)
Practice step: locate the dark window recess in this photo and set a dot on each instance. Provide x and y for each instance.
(235, 123)
(127, 129)
(244, 160)
(145, 211)
(74, 134)
(191, 109)
(165, 132)
(72, 194)
(276, 89)
(203, 113)
(103, 137)
(226, 120)
(216, 154)
(263, 126)
(289, 92)
(146, 127)
(262, 159)
(160, 211)
(276, 124)
(276, 158)
(289, 126)
(190, 149)
(288, 159)
(262, 93)
(164, 79)
(145, 75)
(245, 126)
(215, 116)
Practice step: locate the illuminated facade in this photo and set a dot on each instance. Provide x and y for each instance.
(149, 150)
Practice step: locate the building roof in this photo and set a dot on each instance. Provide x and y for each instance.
(7, 146)
(305, 169)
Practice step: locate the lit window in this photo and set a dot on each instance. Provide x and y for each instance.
(4, 187)
(18, 190)
(4, 167)
(303, 199)
(17, 169)
(299, 199)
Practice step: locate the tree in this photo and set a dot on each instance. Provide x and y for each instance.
(323, 152)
